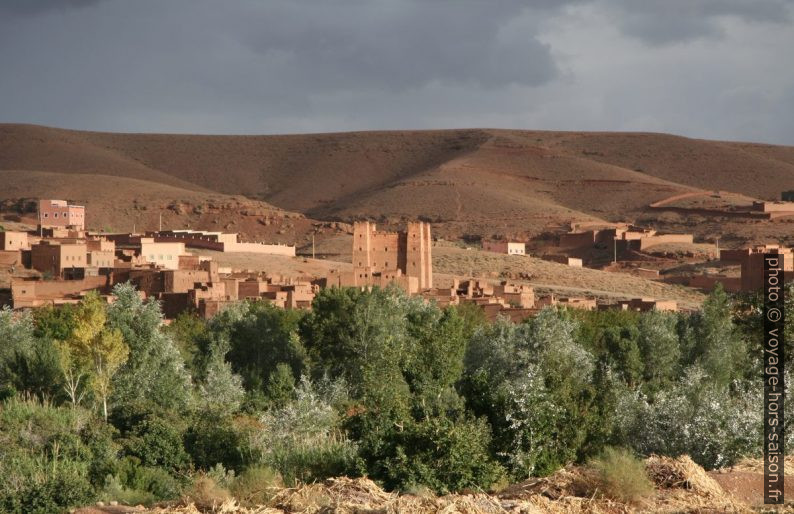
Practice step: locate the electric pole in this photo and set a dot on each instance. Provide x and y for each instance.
(615, 252)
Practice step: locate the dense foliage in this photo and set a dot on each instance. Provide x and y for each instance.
(107, 402)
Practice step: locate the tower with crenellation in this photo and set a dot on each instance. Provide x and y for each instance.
(379, 254)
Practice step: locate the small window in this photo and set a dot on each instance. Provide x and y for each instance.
(55, 215)
(46, 215)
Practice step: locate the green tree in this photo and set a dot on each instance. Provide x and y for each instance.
(54, 323)
(257, 337)
(92, 350)
(154, 374)
(624, 354)
(534, 383)
(659, 348)
(717, 345)
(27, 363)
(222, 391)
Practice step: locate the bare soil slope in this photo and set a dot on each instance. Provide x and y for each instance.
(468, 181)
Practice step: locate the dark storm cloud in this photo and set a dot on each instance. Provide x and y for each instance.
(676, 21)
(27, 7)
(274, 66)
(397, 45)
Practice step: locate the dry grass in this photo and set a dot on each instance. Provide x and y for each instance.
(448, 259)
(757, 465)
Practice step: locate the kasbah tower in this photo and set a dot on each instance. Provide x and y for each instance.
(387, 252)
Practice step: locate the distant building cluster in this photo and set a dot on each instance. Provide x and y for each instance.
(751, 263)
(73, 261)
(622, 238)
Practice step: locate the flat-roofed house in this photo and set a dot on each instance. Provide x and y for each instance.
(59, 213)
(165, 255)
(13, 241)
(62, 259)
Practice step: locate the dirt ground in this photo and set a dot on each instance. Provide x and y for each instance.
(680, 486)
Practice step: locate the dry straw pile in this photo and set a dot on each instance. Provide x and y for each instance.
(681, 486)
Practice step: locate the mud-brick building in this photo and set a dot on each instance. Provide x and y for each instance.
(13, 241)
(506, 247)
(378, 254)
(61, 259)
(58, 213)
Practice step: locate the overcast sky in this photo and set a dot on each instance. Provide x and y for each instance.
(719, 69)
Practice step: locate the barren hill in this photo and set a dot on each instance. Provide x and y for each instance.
(472, 181)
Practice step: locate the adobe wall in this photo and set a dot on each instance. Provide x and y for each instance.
(774, 206)
(578, 239)
(174, 304)
(647, 273)
(46, 258)
(232, 288)
(708, 282)
(563, 259)
(189, 262)
(248, 289)
(375, 252)
(288, 251)
(737, 256)
(8, 259)
(101, 259)
(149, 281)
(181, 281)
(419, 260)
(753, 270)
(495, 246)
(13, 241)
(504, 247)
(647, 242)
(58, 213)
(163, 254)
(23, 290)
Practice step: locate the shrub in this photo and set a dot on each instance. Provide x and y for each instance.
(157, 442)
(147, 479)
(255, 486)
(303, 440)
(440, 453)
(47, 486)
(621, 476)
(710, 423)
(211, 441)
(206, 493)
(49, 456)
(114, 490)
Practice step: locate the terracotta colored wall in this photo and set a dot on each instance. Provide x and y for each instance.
(13, 241)
(8, 258)
(578, 239)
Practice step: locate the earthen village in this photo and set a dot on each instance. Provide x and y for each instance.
(60, 259)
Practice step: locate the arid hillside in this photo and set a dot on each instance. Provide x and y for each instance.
(472, 181)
